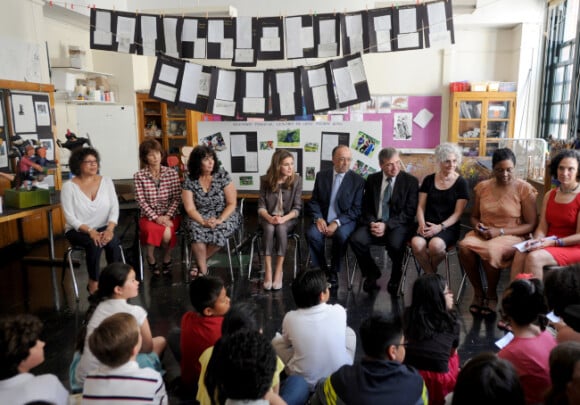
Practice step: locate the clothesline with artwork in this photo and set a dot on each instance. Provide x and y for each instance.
(245, 40)
(269, 94)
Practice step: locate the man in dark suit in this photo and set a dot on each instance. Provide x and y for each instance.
(389, 208)
(335, 207)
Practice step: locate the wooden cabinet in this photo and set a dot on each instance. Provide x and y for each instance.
(172, 126)
(479, 120)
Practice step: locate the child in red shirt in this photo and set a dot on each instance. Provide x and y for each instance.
(201, 328)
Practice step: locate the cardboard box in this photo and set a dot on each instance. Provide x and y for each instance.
(101, 83)
(26, 199)
(77, 57)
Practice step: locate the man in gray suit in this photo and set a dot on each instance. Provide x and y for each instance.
(389, 208)
(334, 207)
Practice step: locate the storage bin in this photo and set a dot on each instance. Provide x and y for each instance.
(458, 86)
(478, 86)
(26, 199)
(507, 86)
(492, 86)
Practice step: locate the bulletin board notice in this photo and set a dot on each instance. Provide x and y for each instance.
(245, 149)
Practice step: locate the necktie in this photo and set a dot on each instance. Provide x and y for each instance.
(332, 206)
(387, 199)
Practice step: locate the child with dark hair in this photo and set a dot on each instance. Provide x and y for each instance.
(486, 379)
(201, 328)
(562, 289)
(116, 343)
(432, 333)
(20, 351)
(244, 316)
(522, 303)
(379, 378)
(117, 284)
(564, 374)
(245, 363)
(315, 340)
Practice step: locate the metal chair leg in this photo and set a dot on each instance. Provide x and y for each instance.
(230, 258)
(252, 243)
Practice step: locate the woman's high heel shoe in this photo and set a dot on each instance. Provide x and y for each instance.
(267, 285)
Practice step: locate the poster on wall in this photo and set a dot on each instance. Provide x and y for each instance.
(250, 146)
(23, 113)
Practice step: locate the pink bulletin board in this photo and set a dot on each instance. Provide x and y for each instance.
(428, 137)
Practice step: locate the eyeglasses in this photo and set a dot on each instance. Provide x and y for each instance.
(91, 162)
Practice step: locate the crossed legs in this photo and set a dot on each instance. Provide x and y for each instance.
(202, 252)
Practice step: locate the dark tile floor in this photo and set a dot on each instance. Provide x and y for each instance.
(29, 287)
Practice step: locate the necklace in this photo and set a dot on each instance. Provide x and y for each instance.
(569, 191)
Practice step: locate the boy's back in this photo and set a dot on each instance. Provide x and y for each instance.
(318, 337)
(127, 384)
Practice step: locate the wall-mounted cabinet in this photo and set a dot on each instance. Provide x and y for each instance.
(172, 126)
(478, 121)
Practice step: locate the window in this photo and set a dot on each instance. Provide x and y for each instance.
(560, 93)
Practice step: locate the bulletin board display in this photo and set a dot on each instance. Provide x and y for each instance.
(407, 121)
(245, 149)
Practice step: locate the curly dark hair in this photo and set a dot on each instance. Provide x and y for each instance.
(502, 154)
(566, 153)
(199, 153)
(76, 159)
(18, 334)
(562, 288)
(147, 146)
(428, 314)
(523, 301)
(243, 365)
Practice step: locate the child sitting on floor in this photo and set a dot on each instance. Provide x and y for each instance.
(21, 350)
(315, 340)
(117, 284)
(116, 343)
(201, 328)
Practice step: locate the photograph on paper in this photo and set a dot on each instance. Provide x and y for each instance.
(289, 137)
(403, 126)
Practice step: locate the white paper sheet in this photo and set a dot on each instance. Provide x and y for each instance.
(408, 40)
(254, 84)
(226, 85)
(423, 117)
(316, 77)
(199, 48)
(253, 105)
(268, 44)
(148, 27)
(190, 83)
(327, 50)
(244, 32)
(383, 41)
(407, 20)
(204, 83)
(224, 107)
(329, 142)
(320, 98)
(552, 317)
(327, 32)
(189, 32)
(165, 92)
(357, 70)
(293, 37)
(244, 55)
(227, 48)
(23, 113)
(504, 341)
(287, 106)
(270, 32)
(103, 34)
(215, 30)
(170, 30)
(125, 33)
(307, 37)
(148, 47)
(285, 82)
(238, 145)
(522, 246)
(354, 25)
(344, 87)
(436, 13)
(382, 23)
(251, 161)
(356, 116)
(42, 113)
(356, 43)
(168, 74)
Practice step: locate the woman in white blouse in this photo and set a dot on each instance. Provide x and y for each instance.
(91, 211)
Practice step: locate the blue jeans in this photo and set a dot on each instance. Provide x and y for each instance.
(294, 390)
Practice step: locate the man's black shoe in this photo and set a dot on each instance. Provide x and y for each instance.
(332, 278)
(393, 286)
(370, 284)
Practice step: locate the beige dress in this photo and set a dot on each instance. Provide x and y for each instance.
(505, 212)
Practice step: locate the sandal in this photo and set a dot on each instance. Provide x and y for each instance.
(487, 311)
(166, 267)
(154, 268)
(195, 273)
(504, 325)
(475, 309)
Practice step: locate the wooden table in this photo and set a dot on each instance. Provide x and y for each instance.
(11, 214)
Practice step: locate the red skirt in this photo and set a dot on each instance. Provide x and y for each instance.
(151, 233)
(440, 384)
